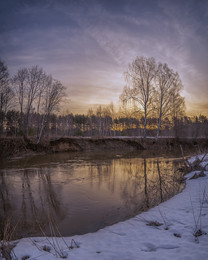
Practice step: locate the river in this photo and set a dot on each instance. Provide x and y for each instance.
(76, 193)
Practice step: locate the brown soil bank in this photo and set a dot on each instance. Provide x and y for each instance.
(11, 146)
(95, 144)
(127, 143)
(18, 146)
(174, 144)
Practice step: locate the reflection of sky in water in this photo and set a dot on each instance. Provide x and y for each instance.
(83, 195)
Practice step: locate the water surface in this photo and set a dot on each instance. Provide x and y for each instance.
(75, 193)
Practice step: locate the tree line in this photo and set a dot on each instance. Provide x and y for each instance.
(151, 105)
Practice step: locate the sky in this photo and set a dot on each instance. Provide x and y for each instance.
(87, 45)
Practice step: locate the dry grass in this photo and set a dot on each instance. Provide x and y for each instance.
(56, 244)
(6, 244)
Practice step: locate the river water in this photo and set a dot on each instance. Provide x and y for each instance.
(76, 193)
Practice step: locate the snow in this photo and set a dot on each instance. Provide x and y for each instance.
(181, 217)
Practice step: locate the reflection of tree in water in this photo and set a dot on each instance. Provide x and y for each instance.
(51, 197)
(152, 182)
(38, 201)
(134, 189)
(160, 181)
(50, 205)
(169, 179)
(142, 183)
(4, 194)
(5, 202)
(103, 174)
(28, 206)
(146, 185)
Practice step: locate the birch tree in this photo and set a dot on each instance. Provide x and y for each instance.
(99, 124)
(140, 88)
(19, 82)
(177, 108)
(27, 84)
(35, 81)
(112, 112)
(52, 96)
(90, 116)
(168, 85)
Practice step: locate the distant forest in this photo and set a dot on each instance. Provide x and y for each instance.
(150, 105)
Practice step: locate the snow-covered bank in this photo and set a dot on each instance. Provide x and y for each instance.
(140, 237)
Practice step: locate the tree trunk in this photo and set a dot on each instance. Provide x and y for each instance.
(159, 125)
(160, 181)
(145, 184)
(145, 122)
(41, 129)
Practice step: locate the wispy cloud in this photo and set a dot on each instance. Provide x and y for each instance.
(88, 44)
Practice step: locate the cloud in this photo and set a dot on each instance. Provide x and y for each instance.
(88, 44)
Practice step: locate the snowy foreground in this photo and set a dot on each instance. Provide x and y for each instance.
(141, 237)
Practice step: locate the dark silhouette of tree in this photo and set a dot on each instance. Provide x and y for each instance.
(154, 91)
(6, 93)
(139, 77)
(168, 85)
(52, 96)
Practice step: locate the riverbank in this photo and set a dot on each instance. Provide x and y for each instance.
(10, 147)
(176, 229)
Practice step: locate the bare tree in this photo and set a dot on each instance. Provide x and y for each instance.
(99, 124)
(112, 114)
(28, 84)
(168, 85)
(36, 91)
(52, 96)
(140, 77)
(177, 109)
(4, 83)
(90, 115)
(19, 82)
(107, 119)
(35, 81)
(39, 99)
(6, 93)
